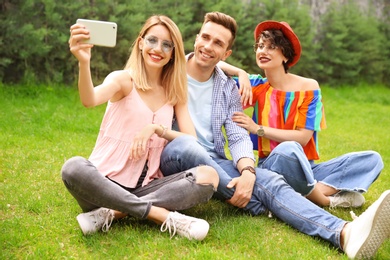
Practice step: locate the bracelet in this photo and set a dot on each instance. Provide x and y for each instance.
(164, 128)
(248, 168)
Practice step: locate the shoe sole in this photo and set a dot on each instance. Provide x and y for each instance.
(379, 232)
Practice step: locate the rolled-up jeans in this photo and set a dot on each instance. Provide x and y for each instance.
(354, 171)
(271, 191)
(93, 190)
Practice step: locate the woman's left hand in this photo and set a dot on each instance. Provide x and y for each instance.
(140, 142)
(245, 88)
(245, 121)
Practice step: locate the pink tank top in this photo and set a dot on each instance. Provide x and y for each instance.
(121, 122)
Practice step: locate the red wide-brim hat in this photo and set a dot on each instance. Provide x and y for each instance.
(288, 33)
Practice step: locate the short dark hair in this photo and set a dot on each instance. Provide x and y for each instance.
(226, 21)
(277, 38)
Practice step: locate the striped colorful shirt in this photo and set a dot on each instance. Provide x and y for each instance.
(286, 110)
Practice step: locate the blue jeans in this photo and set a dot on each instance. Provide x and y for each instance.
(271, 191)
(92, 190)
(350, 172)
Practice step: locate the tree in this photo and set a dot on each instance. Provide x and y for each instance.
(292, 12)
(384, 29)
(341, 47)
(350, 46)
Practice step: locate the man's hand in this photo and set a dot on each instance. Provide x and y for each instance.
(244, 188)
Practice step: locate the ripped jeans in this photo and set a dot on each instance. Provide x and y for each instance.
(270, 192)
(93, 190)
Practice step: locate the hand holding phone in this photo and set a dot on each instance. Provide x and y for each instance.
(101, 33)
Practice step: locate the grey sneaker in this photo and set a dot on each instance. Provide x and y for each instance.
(95, 220)
(366, 233)
(347, 199)
(189, 227)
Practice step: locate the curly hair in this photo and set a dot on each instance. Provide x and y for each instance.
(277, 38)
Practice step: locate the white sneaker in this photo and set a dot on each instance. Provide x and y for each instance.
(95, 220)
(366, 233)
(189, 227)
(347, 199)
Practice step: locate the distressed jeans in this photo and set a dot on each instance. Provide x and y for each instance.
(93, 190)
(271, 191)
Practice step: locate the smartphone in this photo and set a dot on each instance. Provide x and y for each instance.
(101, 33)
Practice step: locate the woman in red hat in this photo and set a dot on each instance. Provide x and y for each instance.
(288, 114)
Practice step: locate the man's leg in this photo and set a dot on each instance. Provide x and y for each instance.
(294, 209)
(271, 192)
(183, 153)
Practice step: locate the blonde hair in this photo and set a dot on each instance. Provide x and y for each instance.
(174, 75)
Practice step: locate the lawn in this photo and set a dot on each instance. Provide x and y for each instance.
(41, 127)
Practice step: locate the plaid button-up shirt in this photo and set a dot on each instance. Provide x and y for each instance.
(226, 101)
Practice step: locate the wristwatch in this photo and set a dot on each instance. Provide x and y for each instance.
(260, 131)
(249, 168)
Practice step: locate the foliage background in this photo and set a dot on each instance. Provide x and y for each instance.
(348, 43)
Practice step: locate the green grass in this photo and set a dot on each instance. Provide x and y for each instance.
(40, 127)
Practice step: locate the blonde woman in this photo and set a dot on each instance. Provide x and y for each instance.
(122, 176)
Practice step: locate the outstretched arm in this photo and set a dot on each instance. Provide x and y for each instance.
(89, 95)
